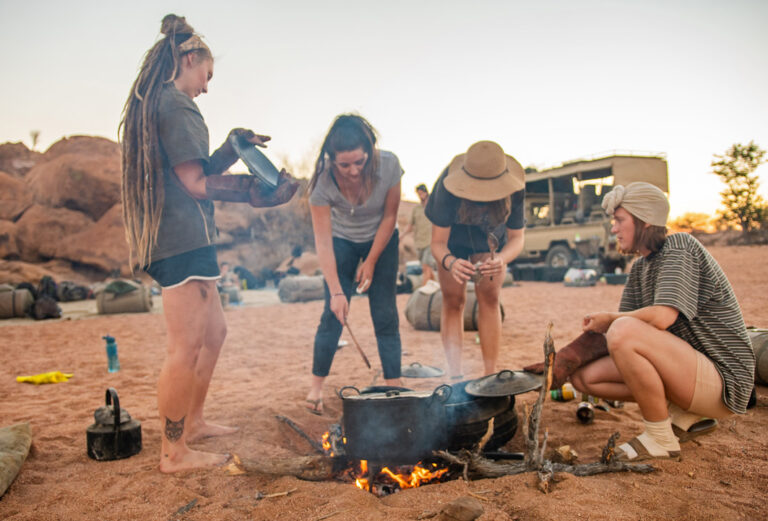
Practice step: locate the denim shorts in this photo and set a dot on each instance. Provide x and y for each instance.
(199, 264)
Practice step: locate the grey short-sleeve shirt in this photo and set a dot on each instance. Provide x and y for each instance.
(358, 223)
(186, 223)
(683, 275)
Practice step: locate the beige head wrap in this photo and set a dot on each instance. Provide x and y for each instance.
(643, 200)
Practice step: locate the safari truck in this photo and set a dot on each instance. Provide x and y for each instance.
(565, 221)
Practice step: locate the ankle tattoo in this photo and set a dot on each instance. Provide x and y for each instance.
(174, 430)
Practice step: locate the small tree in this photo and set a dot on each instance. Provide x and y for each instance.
(34, 135)
(743, 205)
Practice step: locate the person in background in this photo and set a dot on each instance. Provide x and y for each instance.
(169, 180)
(228, 277)
(421, 227)
(477, 212)
(678, 345)
(354, 197)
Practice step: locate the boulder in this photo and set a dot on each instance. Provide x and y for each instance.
(80, 182)
(17, 159)
(83, 145)
(234, 219)
(14, 197)
(9, 248)
(16, 272)
(101, 245)
(40, 230)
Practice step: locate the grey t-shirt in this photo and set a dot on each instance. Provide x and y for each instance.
(358, 223)
(684, 276)
(186, 223)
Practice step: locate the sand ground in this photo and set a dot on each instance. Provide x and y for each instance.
(264, 370)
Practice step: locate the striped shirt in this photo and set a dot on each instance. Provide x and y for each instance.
(683, 275)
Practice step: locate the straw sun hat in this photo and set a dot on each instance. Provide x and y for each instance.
(485, 173)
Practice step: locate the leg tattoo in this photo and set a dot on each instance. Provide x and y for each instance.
(203, 292)
(174, 430)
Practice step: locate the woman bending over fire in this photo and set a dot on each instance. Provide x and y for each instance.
(354, 196)
(477, 209)
(169, 182)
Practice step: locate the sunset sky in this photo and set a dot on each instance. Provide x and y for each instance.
(550, 81)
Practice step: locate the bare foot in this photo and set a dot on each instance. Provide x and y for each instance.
(208, 430)
(191, 460)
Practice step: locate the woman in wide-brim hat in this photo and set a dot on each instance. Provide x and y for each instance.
(477, 212)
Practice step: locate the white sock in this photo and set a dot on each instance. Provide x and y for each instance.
(681, 418)
(658, 439)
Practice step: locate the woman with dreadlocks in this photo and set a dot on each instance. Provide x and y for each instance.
(476, 209)
(169, 182)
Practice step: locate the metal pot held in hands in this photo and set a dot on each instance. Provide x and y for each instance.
(394, 427)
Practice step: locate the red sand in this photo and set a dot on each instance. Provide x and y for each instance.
(264, 371)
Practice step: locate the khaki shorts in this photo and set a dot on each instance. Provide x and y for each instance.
(426, 257)
(708, 394)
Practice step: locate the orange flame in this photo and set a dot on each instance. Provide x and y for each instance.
(362, 483)
(418, 476)
(326, 443)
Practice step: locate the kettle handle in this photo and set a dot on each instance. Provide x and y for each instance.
(111, 396)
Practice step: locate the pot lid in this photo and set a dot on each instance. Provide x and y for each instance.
(504, 383)
(441, 392)
(416, 370)
(258, 164)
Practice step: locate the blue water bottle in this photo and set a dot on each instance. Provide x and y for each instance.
(113, 363)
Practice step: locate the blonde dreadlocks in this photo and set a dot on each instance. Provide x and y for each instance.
(143, 191)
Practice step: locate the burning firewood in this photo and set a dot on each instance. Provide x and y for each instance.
(474, 465)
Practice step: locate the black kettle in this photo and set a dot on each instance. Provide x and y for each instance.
(114, 435)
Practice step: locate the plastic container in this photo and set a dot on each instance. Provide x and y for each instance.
(113, 362)
(564, 394)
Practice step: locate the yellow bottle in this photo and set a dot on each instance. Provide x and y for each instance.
(564, 394)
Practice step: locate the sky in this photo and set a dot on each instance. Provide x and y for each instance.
(549, 80)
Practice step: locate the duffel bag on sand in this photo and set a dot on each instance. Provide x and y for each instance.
(123, 296)
(424, 308)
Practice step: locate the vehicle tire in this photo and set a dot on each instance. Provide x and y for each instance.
(559, 256)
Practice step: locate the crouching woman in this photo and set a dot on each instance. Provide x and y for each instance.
(678, 345)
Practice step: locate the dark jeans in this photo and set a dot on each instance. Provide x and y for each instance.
(381, 299)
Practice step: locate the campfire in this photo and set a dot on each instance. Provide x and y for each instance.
(382, 480)
(340, 451)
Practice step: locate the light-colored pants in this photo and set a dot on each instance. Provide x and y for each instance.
(708, 394)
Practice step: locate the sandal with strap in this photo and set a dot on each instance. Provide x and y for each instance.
(636, 451)
(703, 426)
(315, 406)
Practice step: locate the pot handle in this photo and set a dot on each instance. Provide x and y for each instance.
(111, 398)
(341, 391)
(500, 376)
(441, 393)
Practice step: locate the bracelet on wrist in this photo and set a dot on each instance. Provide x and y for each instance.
(338, 295)
(442, 262)
(450, 266)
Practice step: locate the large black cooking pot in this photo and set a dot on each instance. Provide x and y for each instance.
(394, 427)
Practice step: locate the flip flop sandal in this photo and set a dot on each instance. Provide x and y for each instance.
(702, 426)
(641, 453)
(315, 406)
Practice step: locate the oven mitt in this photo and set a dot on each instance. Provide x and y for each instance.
(52, 377)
